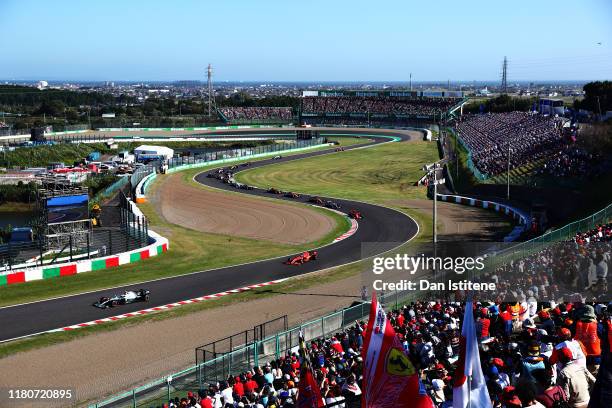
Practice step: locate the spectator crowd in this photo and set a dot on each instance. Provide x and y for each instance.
(570, 160)
(345, 105)
(547, 357)
(529, 137)
(559, 271)
(256, 113)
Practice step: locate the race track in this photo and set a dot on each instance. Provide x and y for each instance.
(382, 225)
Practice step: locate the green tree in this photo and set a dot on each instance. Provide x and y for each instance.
(597, 96)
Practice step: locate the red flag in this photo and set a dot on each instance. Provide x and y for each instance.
(309, 395)
(389, 377)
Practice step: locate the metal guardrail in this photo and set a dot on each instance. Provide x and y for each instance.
(258, 353)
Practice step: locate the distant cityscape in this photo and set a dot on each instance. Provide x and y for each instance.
(187, 89)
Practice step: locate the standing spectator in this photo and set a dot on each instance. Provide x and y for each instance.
(586, 333)
(574, 379)
(532, 362)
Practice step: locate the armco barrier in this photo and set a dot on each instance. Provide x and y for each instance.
(514, 213)
(157, 245)
(67, 132)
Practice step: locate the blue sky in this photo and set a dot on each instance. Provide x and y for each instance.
(332, 40)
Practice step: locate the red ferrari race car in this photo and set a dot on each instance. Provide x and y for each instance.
(355, 214)
(302, 258)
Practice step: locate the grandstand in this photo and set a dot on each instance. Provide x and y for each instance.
(523, 137)
(255, 114)
(375, 108)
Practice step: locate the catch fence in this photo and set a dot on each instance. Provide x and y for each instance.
(469, 162)
(257, 353)
(564, 233)
(211, 351)
(141, 172)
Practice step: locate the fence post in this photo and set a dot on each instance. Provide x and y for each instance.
(70, 242)
(139, 231)
(39, 248)
(110, 242)
(134, 397)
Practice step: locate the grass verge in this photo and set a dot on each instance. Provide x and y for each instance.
(379, 173)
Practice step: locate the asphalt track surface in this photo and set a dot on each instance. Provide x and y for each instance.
(382, 225)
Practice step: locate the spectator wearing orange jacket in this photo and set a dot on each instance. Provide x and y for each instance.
(586, 333)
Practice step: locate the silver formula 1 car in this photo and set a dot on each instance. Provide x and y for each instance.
(129, 296)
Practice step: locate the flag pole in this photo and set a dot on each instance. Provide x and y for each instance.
(469, 298)
(469, 379)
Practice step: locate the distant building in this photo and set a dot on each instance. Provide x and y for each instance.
(147, 152)
(551, 107)
(42, 84)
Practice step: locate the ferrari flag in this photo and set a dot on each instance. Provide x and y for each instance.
(309, 395)
(469, 384)
(389, 379)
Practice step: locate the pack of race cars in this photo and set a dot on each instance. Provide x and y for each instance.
(226, 176)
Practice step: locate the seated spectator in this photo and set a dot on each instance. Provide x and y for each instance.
(526, 136)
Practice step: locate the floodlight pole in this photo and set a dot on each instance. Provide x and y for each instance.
(508, 174)
(435, 204)
(435, 215)
(456, 158)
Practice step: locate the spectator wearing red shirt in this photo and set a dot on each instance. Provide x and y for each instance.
(238, 387)
(482, 325)
(250, 385)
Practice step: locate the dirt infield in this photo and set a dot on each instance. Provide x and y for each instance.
(236, 214)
